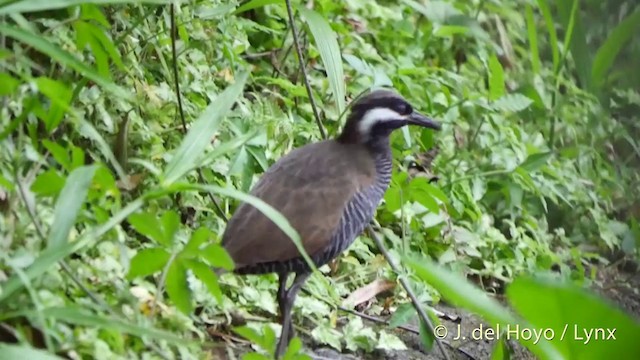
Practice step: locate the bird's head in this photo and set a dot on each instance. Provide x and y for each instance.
(377, 114)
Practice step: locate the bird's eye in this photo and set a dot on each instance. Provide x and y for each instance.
(405, 109)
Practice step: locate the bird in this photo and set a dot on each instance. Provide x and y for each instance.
(328, 191)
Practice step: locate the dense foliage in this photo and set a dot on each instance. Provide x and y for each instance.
(126, 144)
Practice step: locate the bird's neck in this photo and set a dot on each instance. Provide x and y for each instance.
(380, 149)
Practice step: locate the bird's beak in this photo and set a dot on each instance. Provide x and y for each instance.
(421, 120)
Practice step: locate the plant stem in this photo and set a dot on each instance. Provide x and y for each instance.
(303, 69)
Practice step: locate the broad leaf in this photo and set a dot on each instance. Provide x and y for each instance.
(204, 273)
(178, 287)
(148, 225)
(148, 261)
(217, 256)
(584, 326)
(402, 315)
(535, 161)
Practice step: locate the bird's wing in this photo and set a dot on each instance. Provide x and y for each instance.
(311, 187)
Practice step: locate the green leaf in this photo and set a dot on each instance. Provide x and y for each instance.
(60, 95)
(198, 238)
(575, 41)
(390, 342)
(532, 33)
(48, 183)
(217, 256)
(327, 44)
(201, 132)
(512, 103)
(204, 273)
(402, 315)
(249, 334)
(254, 4)
(535, 161)
(8, 84)
(106, 46)
(294, 347)
(92, 12)
(85, 36)
(10, 351)
(215, 11)
(500, 350)
(69, 204)
(148, 225)
(426, 336)
(77, 157)
(89, 131)
(551, 29)
(224, 148)
(425, 199)
(393, 199)
(59, 153)
(570, 311)
(284, 84)
(426, 194)
(83, 317)
(460, 292)
(434, 191)
(255, 356)
(170, 224)
(22, 6)
(61, 56)
(607, 53)
(496, 78)
(326, 335)
(178, 287)
(148, 261)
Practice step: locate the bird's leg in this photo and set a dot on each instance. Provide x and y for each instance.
(286, 298)
(282, 292)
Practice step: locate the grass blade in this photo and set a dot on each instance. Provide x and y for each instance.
(8, 351)
(200, 133)
(575, 40)
(254, 4)
(83, 317)
(23, 6)
(327, 44)
(551, 29)
(224, 148)
(58, 54)
(533, 40)
(607, 53)
(69, 203)
(496, 79)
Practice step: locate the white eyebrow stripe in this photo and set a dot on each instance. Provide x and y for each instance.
(376, 115)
